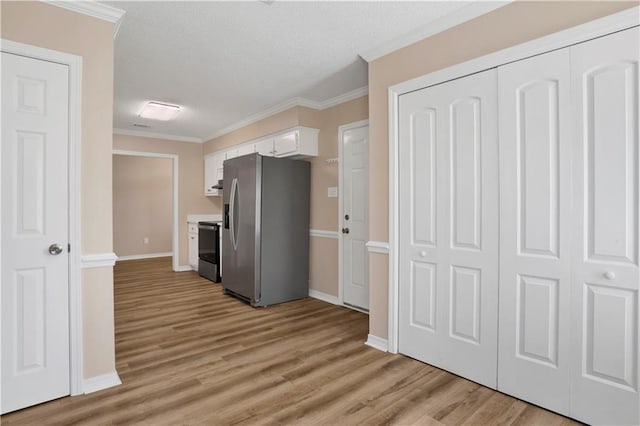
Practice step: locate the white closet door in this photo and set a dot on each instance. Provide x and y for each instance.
(606, 279)
(535, 228)
(449, 226)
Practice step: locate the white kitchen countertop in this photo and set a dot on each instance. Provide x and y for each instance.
(195, 218)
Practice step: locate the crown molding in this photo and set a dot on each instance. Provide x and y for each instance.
(293, 102)
(464, 14)
(143, 134)
(94, 9)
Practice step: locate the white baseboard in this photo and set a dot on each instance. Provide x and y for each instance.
(377, 343)
(324, 297)
(98, 383)
(183, 268)
(145, 256)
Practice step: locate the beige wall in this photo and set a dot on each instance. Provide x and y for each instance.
(191, 198)
(323, 268)
(142, 205)
(510, 25)
(51, 27)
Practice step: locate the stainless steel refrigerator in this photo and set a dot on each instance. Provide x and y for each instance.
(265, 236)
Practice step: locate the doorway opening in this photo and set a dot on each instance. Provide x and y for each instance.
(145, 206)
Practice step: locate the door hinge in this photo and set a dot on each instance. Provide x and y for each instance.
(68, 248)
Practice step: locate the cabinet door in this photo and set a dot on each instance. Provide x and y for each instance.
(286, 144)
(244, 150)
(265, 147)
(449, 226)
(535, 229)
(210, 174)
(606, 278)
(193, 251)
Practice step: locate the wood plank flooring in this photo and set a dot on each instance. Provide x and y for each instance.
(187, 354)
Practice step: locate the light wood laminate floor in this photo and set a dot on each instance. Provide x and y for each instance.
(187, 354)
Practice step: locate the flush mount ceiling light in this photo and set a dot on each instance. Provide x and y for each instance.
(159, 111)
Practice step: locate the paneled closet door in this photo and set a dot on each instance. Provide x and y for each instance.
(605, 274)
(535, 229)
(449, 226)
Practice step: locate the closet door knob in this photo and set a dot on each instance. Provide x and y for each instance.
(423, 253)
(609, 275)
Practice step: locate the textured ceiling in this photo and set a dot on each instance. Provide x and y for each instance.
(226, 61)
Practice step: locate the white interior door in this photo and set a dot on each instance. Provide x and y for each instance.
(355, 219)
(606, 279)
(535, 229)
(34, 293)
(448, 254)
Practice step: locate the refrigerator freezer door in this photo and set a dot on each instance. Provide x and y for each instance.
(239, 240)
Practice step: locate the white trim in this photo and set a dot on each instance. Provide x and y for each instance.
(104, 381)
(377, 247)
(392, 320)
(183, 268)
(377, 343)
(341, 130)
(98, 260)
(597, 28)
(439, 25)
(340, 99)
(324, 297)
(175, 245)
(74, 63)
(290, 103)
(144, 256)
(94, 9)
(324, 234)
(143, 134)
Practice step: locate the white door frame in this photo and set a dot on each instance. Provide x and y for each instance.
(74, 209)
(597, 28)
(175, 240)
(341, 130)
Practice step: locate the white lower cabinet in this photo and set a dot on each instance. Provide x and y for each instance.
(193, 245)
(561, 323)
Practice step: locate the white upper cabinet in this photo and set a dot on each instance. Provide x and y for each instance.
(298, 142)
(286, 144)
(265, 147)
(213, 164)
(244, 150)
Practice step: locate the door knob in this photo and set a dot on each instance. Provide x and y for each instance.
(55, 249)
(345, 230)
(609, 275)
(423, 253)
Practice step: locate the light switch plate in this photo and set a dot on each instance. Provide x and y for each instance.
(332, 192)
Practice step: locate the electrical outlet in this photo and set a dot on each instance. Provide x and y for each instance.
(332, 192)
(146, 240)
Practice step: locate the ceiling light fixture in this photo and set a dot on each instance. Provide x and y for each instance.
(159, 111)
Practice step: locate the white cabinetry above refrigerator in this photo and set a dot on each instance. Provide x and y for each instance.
(298, 142)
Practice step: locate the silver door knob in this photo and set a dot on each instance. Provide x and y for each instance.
(55, 249)
(609, 275)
